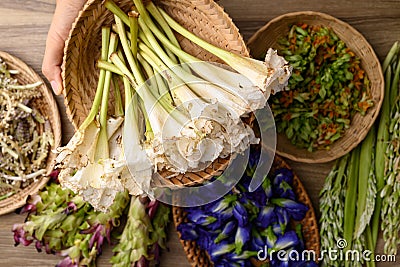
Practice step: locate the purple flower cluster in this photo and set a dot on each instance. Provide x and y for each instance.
(236, 227)
(59, 222)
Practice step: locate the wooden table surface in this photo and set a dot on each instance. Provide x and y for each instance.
(23, 28)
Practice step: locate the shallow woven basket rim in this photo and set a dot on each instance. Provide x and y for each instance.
(198, 257)
(268, 35)
(203, 17)
(28, 75)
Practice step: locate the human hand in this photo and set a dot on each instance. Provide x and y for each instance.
(64, 15)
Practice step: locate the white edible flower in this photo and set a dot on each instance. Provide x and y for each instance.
(194, 145)
(139, 173)
(97, 181)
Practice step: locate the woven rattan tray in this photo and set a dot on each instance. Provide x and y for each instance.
(278, 27)
(198, 257)
(48, 107)
(203, 17)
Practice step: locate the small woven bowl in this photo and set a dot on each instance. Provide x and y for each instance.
(47, 106)
(203, 17)
(268, 36)
(198, 257)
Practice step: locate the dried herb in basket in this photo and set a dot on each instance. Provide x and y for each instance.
(25, 134)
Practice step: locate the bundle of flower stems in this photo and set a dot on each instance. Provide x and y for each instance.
(60, 222)
(181, 120)
(361, 193)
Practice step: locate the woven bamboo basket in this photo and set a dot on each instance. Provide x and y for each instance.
(278, 27)
(203, 17)
(48, 107)
(198, 257)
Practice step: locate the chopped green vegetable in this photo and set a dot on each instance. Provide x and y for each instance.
(328, 87)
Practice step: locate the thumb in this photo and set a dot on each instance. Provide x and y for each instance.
(64, 16)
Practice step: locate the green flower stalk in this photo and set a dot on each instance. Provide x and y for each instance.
(332, 208)
(195, 86)
(119, 108)
(387, 157)
(383, 138)
(143, 235)
(390, 222)
(134, 241)
(159, 214)
(347, 193)
(366, 184)
(351, 199)
(134, 29)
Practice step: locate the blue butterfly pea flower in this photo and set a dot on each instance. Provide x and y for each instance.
(279, 263)
(284, 190)
(295, 209)
(283, 219)
(245, 255)
(266, 216)
(200, 218)
(222, 204)
(230, 263)
(270, 237)
(258, 197)
(241, 238)
(306, 264)
(283, 174)
(277, 229)
(216, 251)
(300, 246)
(205, 239)
(287, 240)
(188, 231)
(229, 228)
(254, 156)
(257, 241)
(267, 187)
(240, 214)
(224, 215)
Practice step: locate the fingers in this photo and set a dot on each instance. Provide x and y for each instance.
(64, 15)
(51, 66)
